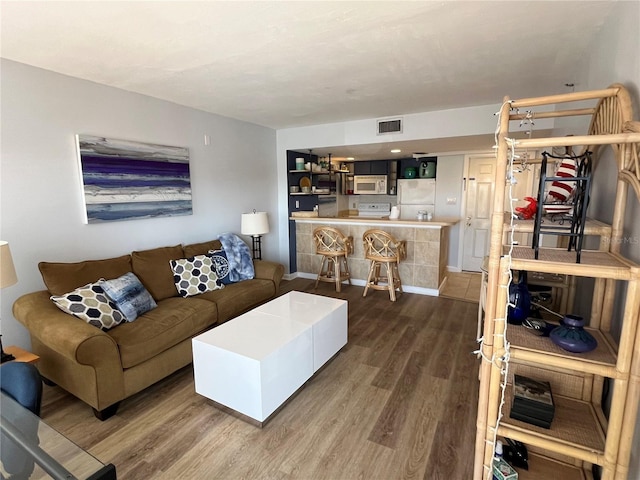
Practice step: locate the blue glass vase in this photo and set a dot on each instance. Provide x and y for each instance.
(520, 299)
(571, 335)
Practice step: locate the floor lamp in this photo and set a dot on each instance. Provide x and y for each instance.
(255, 224)
(8, 277)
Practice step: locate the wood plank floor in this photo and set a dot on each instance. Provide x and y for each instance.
(398, 402)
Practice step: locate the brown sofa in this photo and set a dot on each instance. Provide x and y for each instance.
(104, 367)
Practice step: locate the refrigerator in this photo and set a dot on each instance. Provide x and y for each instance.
(414, 195)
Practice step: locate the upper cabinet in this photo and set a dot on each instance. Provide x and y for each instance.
(373, 167)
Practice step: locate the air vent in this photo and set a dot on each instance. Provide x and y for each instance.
(390, 126)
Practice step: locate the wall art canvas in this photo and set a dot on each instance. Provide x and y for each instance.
(125, 180)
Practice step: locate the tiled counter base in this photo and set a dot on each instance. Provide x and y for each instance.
(423, 271)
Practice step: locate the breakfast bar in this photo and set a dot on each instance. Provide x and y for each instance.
(423, 271)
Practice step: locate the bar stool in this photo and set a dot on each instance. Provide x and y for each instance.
(382, 249)
(334, 247)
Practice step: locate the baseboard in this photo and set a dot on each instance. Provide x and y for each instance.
(453, 269)
(432, 292)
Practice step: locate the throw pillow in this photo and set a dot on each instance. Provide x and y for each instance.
(129, 295)
(195, 275)
(91, 305)
(221, 264)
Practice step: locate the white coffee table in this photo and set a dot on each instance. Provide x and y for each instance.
(255, 362)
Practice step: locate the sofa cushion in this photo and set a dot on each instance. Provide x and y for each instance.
(174, 320)
(154, 271)
(61, 278)
(129, 295)
(240, 297)
(201, 248)
(195, 275)
(90, 304)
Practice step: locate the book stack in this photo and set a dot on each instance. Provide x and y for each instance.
(532, 401)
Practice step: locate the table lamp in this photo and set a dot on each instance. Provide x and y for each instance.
(255, 224)
(8, 277)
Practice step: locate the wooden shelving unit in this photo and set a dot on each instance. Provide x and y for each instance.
(580, 433)
(543, 468)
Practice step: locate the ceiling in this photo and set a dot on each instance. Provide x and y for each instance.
(414, 148)
(287, 63)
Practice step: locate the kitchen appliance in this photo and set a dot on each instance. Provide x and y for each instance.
(416, 195)
(427, 169)
(374, 210)
(410, 172)
(370, 184)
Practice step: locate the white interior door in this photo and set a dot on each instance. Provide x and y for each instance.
(526, 185)
(479, 189)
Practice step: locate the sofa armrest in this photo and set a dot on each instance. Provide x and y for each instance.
(267, 270)
(68, 336)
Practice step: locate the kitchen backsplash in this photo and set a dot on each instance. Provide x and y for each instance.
(354, 200)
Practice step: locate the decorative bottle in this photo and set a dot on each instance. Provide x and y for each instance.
(520, 299)
(571, 335)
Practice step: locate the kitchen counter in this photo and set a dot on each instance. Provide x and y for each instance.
(436, 222)
(423, 271)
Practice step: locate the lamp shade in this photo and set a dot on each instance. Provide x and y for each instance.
(8, 275)
(255, 223)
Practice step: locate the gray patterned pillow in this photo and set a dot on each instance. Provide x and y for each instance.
(195, 275)
(91, 305)
(129, 295)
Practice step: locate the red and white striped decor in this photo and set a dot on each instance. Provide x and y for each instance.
(560, 190)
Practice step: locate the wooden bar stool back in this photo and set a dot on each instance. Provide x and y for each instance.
(334, 247)
(383, 250)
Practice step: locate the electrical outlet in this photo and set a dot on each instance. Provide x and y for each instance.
(207, 139)
(297, 203)
(354, 205)
(452, 200)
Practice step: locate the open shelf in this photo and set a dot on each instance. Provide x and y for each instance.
(575, 426)
(528, 347)
(594, 263)
(298, 194)
(592, 227)
(542, 467)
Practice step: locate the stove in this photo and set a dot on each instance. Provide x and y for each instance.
(374, 210)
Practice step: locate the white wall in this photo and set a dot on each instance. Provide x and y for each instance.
(615, 58)
(40, 201)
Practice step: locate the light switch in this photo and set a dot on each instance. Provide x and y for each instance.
(297, 203)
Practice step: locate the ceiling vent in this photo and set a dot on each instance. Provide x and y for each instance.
(389, 126)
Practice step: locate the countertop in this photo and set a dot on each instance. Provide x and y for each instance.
(436, 222)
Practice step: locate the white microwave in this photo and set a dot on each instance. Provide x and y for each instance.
(370, 184)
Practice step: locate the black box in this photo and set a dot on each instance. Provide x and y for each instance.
(532, 401)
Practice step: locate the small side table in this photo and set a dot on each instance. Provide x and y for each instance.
(21, 355)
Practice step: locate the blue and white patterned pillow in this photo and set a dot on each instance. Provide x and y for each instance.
(221, 264)
(195, 275)
(129, 295)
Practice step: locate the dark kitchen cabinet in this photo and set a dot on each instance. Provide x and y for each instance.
(373, 167)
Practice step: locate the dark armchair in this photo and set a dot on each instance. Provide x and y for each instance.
(22, 382)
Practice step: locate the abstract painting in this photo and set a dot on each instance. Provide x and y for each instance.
(126, 180)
